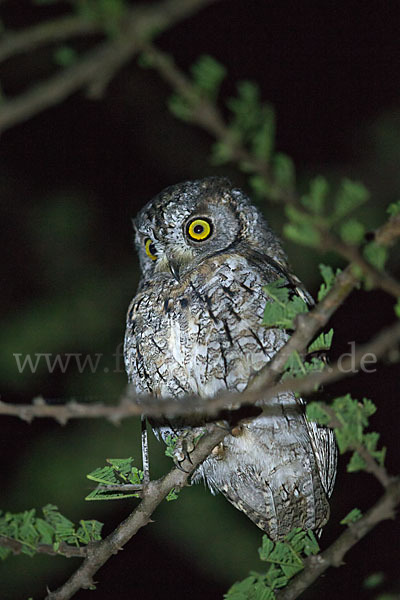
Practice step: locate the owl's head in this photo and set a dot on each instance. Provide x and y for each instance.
(191, 221)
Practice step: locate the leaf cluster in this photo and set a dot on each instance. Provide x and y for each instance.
(53, 529)
(119, 471)
(349, 418)
(323, 209)
(285, 560)
(170, 445)
(282, 311)
(207, 75)
(109, 13)
(285, 306)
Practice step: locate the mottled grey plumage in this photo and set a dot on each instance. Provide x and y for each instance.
(195, 327)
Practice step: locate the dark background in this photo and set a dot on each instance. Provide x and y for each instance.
(70, 180)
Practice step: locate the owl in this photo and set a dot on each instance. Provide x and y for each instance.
(195, 327)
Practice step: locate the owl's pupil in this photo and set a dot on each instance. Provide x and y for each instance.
(152, 249)
(198, 229)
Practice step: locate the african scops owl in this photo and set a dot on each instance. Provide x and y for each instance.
(195, 326)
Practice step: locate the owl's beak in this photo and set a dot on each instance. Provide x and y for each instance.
(174, 268)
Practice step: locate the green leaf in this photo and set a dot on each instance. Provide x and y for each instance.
(283, 170)
(261, 592)
(244, 590)
(65, 56)
(245, 108)
(352, 231)
(172, 495)
(45, 530)
(170, 442)
(302, 233)
(4, 552)
(376, 255)
(262, 142)
(315, 412)
(259, 185)
(356, 463)
(315, 200)
(370, 441)
(267, 545)
(221, 153)
(322, 343)
(397, 308)
(329, 278)
(394, 208)
(105, 494)
(353, 417)
(53, 529)
(282, 312)
(104, 475)
(180, 107)
(207, 75)
(278, 291)
(350, 196)
(310, 545)
(253, 125)
(374, 580)
(295, 365)
(353, 516)
(109, 13)
(89, 531)
(120, 471)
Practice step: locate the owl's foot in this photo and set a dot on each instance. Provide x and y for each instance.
(185, 444)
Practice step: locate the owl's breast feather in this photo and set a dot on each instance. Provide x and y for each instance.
(204, 333)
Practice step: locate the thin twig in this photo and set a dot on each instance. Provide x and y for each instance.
(18, 42)
(63, 549)
(380, 279)
(389, 232)
(123, 487)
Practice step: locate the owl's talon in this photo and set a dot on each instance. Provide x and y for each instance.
(185, 445)
(178, 466)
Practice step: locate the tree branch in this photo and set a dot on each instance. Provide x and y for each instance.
(19, 42)
(206, 115)
(264, 384)
(387, 235)
(63, 549)
(97, 67)
(333, 556)
(153, 494)
(133, 405)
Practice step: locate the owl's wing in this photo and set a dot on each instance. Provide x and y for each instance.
(322, 438)
(282, 270)
(325, 452)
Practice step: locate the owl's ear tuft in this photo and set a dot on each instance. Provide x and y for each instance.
(134, 225)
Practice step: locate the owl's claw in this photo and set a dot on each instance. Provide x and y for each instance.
(185, 445)
(178, 466)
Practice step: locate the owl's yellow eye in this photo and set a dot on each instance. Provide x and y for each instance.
(150, 249)
(199, 229)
